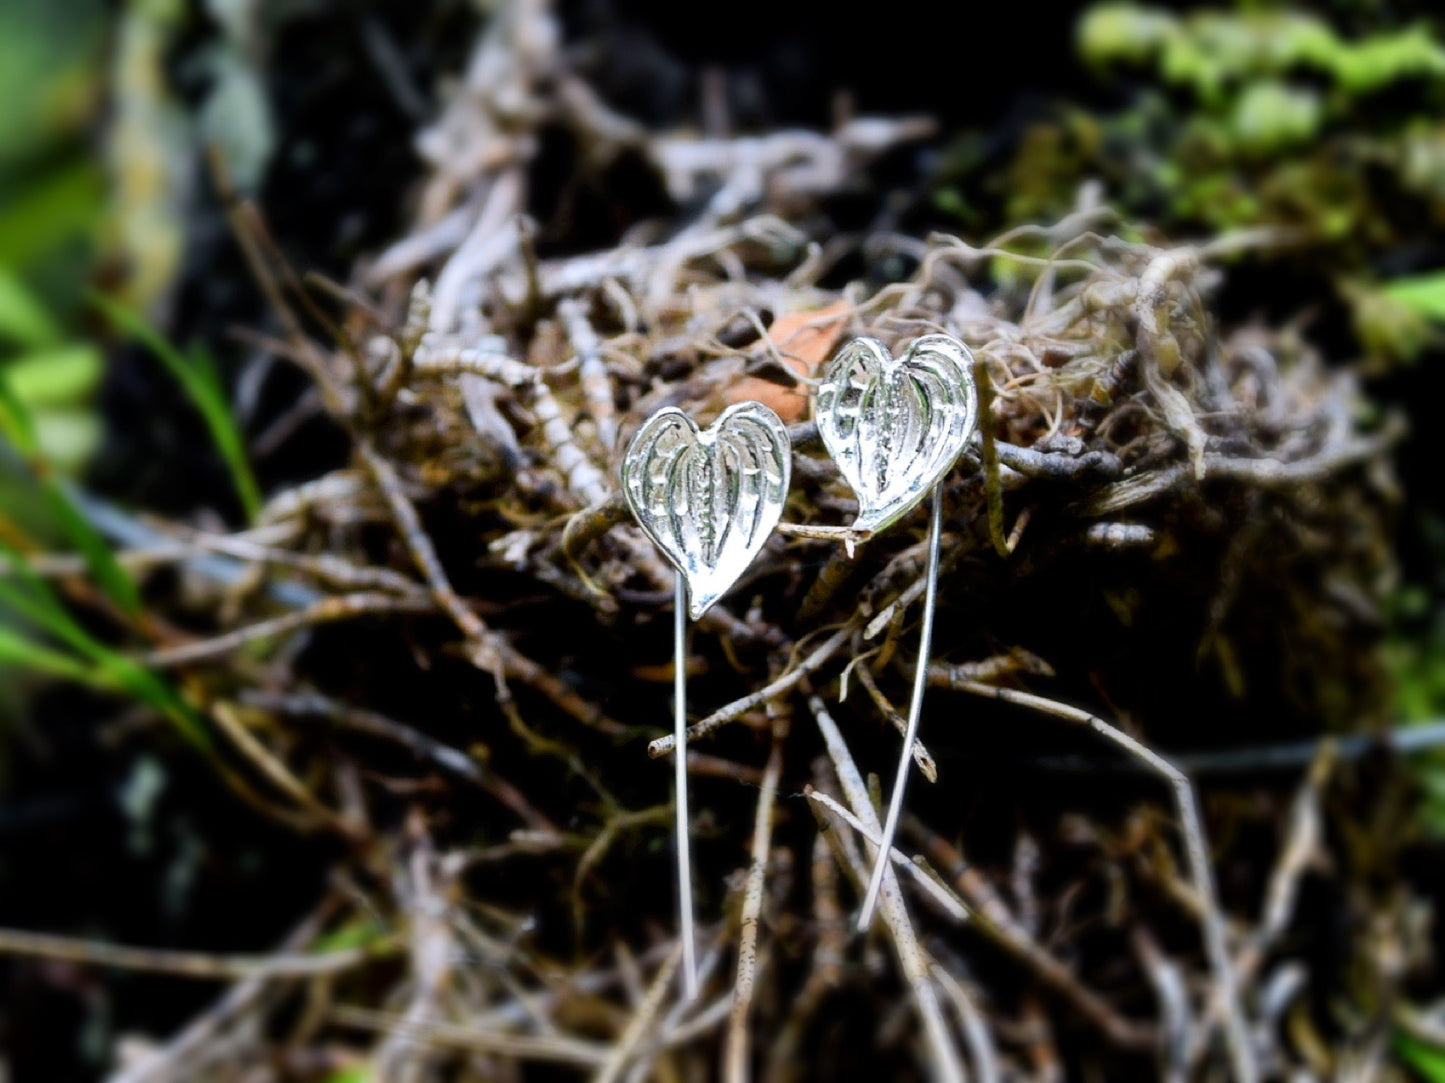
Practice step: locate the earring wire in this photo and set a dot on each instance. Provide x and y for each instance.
(915, 710)
(684, 848)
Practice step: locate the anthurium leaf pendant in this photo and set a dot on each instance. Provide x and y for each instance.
(709, 498)
(895, 426)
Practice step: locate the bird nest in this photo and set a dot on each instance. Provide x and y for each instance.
(1163, 551)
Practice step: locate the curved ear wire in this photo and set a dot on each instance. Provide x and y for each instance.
(708, 499)
(895, 427)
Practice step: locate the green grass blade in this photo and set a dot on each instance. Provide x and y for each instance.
(65, 203)
(56, 375)
(27, 594)
(23, 318)
(23, 653)
(17, 425)
(1426, 1060)
(357, 1073)
(1423, 293)
(201, 383)
(15, 420)
(24, 592)
(227, 435)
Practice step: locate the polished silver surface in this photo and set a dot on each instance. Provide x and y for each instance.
(680, 810)
(896, 425)
(709, 499)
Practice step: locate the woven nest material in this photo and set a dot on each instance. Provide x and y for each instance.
(1170, 531)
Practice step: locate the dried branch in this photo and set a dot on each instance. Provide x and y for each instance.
(186, 964)
(1192, 829)
(943, 1056)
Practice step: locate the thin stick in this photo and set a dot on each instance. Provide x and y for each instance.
(643, 1022)
(558, 1049)
(185, 964)
(324, 611)
(679, 728)
(737, 1044)
(1196, 851)
(943, 895)
(661, 746)
(915, 710)
(945, 1066)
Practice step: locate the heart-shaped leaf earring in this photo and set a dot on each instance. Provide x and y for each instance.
(708, 499)
(895, 427)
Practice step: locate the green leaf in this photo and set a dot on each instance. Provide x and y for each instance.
(1383, 59)
(57, 375)
(16, 650)
(30, 596)
(359, 1073)
(201, 382)
(24, 592)
(355, 934)
(99, 558)
(1424, 294)
(23, 319)
(1123, 32)
(1427, 1060)
(64, 205)
(1270, 117)
(17, 424)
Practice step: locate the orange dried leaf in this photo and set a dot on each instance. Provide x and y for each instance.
(804, 340)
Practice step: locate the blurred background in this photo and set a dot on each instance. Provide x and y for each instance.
(136, 389)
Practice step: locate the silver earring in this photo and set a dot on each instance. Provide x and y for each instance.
(708, 500)
(895, 427)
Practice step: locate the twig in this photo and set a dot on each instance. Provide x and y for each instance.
(302, 704)
(974, 1026)
(583, 478)
(1055, 467)
(944, 896)
(1195, 848)
(943, 1056)
(325, 611)
(586, 526)
(785, 1062)
(840, 565)
(921, 756)
(1303, 840)
(993, 919)
(343, 487)
(642, 1022)
(1268, 474)
(591, 371)
(424, 887)
(444, 355)
(325, 567)
(992, 485)
(542, 680)
(197, 1038)
(424, 747)
(739, 707)
(671, 1028)
(247, 227)
(736, 1043)
(423, 553)
(1169, 986)
(272, 768)
(184, 964)
(553, 1048)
